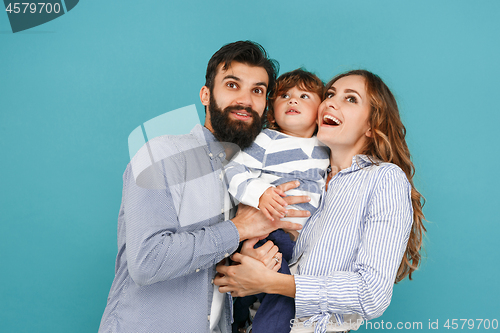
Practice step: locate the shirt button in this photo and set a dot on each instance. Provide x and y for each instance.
(226, 255)
(197, 270)
(212, 282)
(222, 211)
(209, 318)
(221, 155)
(210, 154)
(220, 176)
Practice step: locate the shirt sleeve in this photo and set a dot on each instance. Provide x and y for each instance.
(155, 250)
(244, 172)
(367, 290)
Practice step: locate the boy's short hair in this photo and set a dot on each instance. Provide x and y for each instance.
(297, 78)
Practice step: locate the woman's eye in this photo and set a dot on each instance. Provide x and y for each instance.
(304, 96)
(351, 99)
(329, 95)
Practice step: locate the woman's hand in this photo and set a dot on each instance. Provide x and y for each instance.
(248, 277)
(267, 254)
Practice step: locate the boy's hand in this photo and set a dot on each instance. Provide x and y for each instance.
(271, 203)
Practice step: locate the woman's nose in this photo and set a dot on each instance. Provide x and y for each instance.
(331, 103)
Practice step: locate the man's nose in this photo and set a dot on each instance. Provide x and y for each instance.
(244, 98)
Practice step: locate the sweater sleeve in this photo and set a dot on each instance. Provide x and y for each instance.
(244, 172)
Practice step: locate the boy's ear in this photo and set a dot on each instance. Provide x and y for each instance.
(368, 132)
(205, 95)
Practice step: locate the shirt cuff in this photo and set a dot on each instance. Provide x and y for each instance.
(335, 293)
(310, 295)
(227, 238)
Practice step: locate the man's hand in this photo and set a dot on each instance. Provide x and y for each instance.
(251, 222)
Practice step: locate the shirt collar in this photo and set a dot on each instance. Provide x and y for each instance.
(359, 162)
(206, 138)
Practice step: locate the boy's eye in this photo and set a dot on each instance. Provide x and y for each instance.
(304, 96)
(351, 99)
(284, 95)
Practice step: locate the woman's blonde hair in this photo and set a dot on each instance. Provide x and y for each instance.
(387, 143)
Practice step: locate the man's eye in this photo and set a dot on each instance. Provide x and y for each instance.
(351, 99)
(231, 85)
(258, 90)
(304, 96)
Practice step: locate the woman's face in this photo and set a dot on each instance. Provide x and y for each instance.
(343, 115)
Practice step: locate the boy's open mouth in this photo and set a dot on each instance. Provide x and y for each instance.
(331, 120)
(292, 111)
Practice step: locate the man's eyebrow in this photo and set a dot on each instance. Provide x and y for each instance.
(261, 84)
(235, 78)
(231, 77)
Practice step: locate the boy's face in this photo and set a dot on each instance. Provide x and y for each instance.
(295, 112)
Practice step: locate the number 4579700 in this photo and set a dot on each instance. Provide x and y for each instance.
(471, 324)
(32, 7)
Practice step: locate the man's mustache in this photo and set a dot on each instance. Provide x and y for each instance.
(239, 108)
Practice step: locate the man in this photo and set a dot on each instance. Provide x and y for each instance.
(174, 223)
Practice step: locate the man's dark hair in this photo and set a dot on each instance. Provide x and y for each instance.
(246, 52)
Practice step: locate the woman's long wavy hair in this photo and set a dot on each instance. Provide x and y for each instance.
(387, 143)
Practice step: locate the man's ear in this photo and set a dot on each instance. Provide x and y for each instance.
(205, 95)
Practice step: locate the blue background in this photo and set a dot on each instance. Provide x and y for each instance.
(73, 89)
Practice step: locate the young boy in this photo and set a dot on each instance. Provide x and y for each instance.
(287, 150)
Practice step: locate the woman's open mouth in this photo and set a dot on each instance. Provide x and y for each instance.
(331, 120)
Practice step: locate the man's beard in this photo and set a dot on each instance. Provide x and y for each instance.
(230, 130)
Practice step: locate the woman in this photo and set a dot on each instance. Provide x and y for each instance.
(367, 233)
